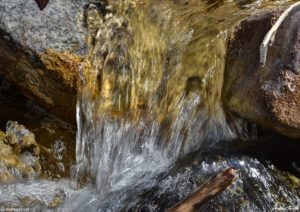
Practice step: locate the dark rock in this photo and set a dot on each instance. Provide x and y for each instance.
(269, 96)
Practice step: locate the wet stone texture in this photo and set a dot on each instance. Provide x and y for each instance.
(41, 51)
(270, 95)
(55, 137)
(19, 154)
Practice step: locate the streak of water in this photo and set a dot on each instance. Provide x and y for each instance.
(152, 90)
(144, 103)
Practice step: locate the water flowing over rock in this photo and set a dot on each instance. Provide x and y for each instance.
(269, 96)
(143, 102)
(40, 51)
(150, 120)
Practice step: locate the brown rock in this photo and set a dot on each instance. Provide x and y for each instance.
(49, 81)
(12, 139)
(18, 156)
(28, 142)
(21, 139)
(2, 136)
(270, 95)
(14, 143)
(6, 175)
(9, 161)
(5, 149)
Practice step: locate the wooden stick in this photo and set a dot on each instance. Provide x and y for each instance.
(206, 191)
(269, 39)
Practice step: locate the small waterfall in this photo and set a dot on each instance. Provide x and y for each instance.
(148, 96)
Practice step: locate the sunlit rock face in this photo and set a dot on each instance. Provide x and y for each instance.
(268, 95)
(40, 51)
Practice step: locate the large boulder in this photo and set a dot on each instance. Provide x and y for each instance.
(269, 95)
(41, 51)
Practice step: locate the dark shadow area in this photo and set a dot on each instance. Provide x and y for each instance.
(49, 131)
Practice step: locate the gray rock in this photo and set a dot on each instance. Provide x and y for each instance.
(41, 51)
(59, 26)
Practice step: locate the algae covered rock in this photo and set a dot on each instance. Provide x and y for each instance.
(5, 149)
(18, 154)
(270, 95)
(21, 138)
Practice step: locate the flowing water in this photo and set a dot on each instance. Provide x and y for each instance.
(151, 127)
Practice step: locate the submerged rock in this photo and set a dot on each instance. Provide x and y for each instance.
(5, 149)
(20, 137)
(269, 95)
(41, 51)
(18, 154)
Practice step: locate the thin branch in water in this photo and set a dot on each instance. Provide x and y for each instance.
(206, 191)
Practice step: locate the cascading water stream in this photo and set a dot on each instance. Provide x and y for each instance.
(141, 105)
(148, 98)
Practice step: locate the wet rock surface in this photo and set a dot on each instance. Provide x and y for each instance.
(262, 184)
(269, 95)
(21, 139)
(21, 157)
(19, 154)
(55, 138)
(41, 51)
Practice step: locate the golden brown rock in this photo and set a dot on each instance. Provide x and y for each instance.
(9, 161)
(18, 158)
(29, 142)
(14, 143)
(21, 139)
(6, 176)
(12, 139)
(5, 149)
(2, 136)
(50, 82)
(63, 66)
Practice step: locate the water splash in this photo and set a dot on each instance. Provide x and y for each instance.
(142, 104)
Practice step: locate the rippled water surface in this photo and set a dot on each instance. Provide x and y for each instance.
(151, 127)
